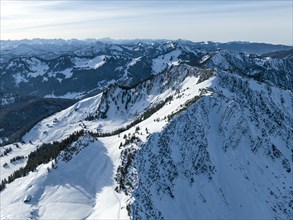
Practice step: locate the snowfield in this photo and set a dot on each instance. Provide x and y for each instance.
(94, 63)
(80, 188)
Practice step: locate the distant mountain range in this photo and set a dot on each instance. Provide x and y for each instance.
(74, 68)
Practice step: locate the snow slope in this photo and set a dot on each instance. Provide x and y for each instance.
(162, 62)
(62, 124)
(68, 191)
(93, 63)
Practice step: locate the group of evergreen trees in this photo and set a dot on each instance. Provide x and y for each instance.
(127, 156)
(44, 154)
(16, 158)
(129, 140)
(6, 151)
(186, 105)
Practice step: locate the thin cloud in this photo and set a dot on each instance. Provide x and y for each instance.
(222, 20)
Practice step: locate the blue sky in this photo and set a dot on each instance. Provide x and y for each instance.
(257, 21)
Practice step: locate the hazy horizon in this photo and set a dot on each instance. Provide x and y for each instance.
(217, 21)
(142, 39)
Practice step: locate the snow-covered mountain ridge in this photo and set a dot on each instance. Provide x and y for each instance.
(217, 143)
(227, 146)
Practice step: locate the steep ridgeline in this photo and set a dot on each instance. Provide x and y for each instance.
(120, 104)
(228, 156)
(211, 140)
